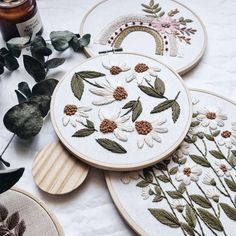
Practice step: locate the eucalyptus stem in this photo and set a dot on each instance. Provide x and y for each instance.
(167, 200)
(7, 164)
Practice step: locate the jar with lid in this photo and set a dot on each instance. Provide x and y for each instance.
(19, 18)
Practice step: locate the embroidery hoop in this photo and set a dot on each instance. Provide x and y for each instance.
(119, 167)
(182, 70)
(124, 214)
(43, 206)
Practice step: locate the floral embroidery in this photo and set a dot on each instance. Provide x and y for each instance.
(213, 193)
(228, 138)
(11, 225)
(222, 168)
(148, 131)
(145, 192)
(126, 177)
(211, 117)
(142, 71)
(75, 114)
(182, 151)
(166, 28)
(115, 68)
(109, 92)
(115, 124)
(178, 205)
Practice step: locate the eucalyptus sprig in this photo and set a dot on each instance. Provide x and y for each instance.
(26, 118)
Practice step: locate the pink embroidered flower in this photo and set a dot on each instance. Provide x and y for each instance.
(165, 25)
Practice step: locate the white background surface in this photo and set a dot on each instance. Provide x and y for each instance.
(89, 210)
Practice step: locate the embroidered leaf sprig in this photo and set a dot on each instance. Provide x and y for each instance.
(231, 184)
(111, 145)
(77, 81)
(134, 106)
(229, 211)
(201, 201)
(190, 216)
(153, 9)
(90, 129)
(165, 217)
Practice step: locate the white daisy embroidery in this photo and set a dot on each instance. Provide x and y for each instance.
(188, 173)
(148, 131)
(222, 168)
(115, 124)
(213, 194)
(211, 117)
(145, 192)
(208, 179)
(109, 92)
(141, 72)
(114, 67)
(197, 130)
(75, 114)
(228, 138)
(183, 150)
(126, 177)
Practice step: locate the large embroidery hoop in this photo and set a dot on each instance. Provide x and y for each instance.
(112, 179)
(115, 30)
(102, 158)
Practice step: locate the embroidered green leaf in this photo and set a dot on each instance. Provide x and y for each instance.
(174, 194)
(229, 211)
(190, 216)
(159, 86)
(163, 178)
(54, 63)
(12, 221)
(3, 213)
(200, 160)
(148, 11)
(148, 177)
(151, 3)
(90, 124)
(146, 6)
(195, 123)
(157, 198)
(129, 104)
(210, 219)
(83, 133)
(174, 170)
(90, 74)
(77, 85)
(142, 184)
(209, 137)
(111, 145)
(233, 152)
(216, 133)
(150, 91)
(232, 160)
(201, 201)
(162, 106)
(182, 188)
(217, 154)
(157, 190)
(137, 110)
(187, 229)
(230, 184)
(165, 217)
(175, 111)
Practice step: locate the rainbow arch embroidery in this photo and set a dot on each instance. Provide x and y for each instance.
(167, 31)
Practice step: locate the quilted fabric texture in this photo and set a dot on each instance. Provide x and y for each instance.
(89, 210)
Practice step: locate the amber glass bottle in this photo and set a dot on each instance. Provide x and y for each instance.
(19, 18)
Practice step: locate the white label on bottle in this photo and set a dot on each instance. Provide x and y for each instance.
(31, 26)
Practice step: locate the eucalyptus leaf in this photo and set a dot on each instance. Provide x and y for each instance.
(60, 39)
(111, 145)
(23, 87)
(54, 63)
(85, 40)
(43, 51)
(10, 62)
(44, 103)
(165, 217)
(34, 68)
(1, 69)
(45, 87)
(21, 98)
(24, 120)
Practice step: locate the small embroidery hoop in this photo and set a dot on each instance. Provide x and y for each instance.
(52, 156)
(43, 206)
(116, 167)
(124, 214)
(181, 71)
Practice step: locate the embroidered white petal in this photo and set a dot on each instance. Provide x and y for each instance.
(104, 101)
(131, 77)
(140, 142)
(156, 137)
(120, 135)
(148, 140)
(84, 108)
(100, 92)
(65, 120)
(126, 128)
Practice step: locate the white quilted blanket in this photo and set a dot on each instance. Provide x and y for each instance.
(89, 210)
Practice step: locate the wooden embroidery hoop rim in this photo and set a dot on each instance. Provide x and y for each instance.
(124, 214)
(43, 206)
(182, 70)
(121, 167)
(84, 170)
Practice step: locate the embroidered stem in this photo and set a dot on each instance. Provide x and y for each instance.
(7, 164)
(167, 200)
(93, 84)
(192, 228)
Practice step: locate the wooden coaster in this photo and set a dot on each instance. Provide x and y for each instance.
(56, 171)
